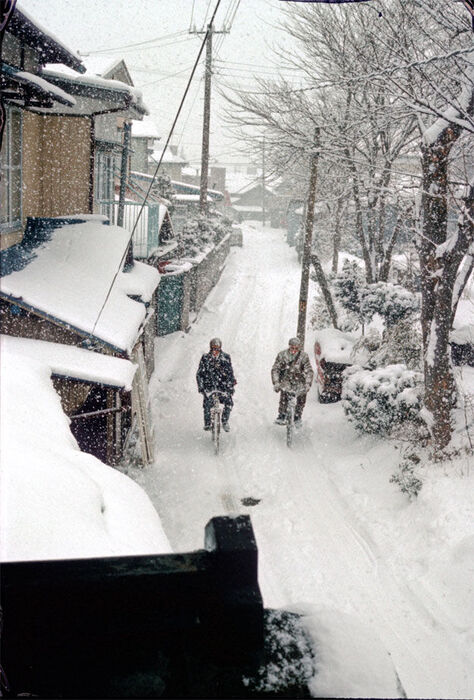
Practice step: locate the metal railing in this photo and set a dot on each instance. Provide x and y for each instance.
(146, 237)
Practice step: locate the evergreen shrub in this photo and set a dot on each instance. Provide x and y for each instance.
(377, 400)
(392, 301)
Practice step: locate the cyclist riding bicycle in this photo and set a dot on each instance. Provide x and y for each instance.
(215, 373)
(292, 371)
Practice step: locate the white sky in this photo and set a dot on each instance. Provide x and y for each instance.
(92, 26)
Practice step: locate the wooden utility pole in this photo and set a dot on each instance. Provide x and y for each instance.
(206, 118)
(308, 239)
(206, 125)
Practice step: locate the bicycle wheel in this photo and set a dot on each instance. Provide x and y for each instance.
(290, 425)
(216, 429)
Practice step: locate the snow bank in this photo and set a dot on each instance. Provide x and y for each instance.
(336, 346)
(350, 659)
(56, 501)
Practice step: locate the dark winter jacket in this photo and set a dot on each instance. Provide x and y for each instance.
(293, 371)
(215, 373)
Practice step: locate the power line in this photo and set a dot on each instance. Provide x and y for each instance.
(127, 46)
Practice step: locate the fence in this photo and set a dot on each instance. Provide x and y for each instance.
(179, 294)
(135, 626)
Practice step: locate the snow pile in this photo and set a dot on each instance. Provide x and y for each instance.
(335, 345)
(374, 400)
(350, 659)
(58, 502)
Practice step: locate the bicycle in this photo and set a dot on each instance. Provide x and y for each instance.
(216, 418)
(290, 414)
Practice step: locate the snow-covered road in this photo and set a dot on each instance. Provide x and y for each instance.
(313, 546)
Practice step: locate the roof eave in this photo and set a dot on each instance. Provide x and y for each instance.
(51, 51)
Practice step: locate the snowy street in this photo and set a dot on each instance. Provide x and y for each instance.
(334, 536)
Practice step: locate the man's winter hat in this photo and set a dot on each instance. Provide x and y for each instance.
(215, 343)
(296, 342)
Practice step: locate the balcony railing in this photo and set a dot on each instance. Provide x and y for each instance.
(146, 237)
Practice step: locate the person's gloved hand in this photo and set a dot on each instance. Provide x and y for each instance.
(276, 387)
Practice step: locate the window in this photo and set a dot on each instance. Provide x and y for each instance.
(104, 183)
(10, 171)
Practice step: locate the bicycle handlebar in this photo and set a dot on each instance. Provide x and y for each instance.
(291, 391)
(215, 391)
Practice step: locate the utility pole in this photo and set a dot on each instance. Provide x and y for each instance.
(206, 118)
(308, 239)
(206, 125)
(263, 182)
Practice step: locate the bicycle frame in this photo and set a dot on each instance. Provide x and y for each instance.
(290, 413)
(216, 418)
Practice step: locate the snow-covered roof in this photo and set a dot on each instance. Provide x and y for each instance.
(168, 157)
(75, 276)
(71, 361)
(190, 198)
(93, 87)
(145, 129)
(37, 85)
(51, 48)
(247, 207)
(56, 501)
(188, 170)
(189, 188)
(336, 346)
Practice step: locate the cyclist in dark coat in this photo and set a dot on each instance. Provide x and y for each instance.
(215, 373)
(292, 369)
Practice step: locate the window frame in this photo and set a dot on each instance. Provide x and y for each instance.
(8, 169)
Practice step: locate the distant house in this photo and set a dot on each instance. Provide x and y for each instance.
(144, 136)
(172, 163)
(253, 202)
(72, 281)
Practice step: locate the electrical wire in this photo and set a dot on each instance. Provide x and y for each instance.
(128, 46)
(158, 165)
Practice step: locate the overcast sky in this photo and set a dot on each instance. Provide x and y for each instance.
(162, 61)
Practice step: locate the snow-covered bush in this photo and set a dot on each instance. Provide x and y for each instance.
(405, 477)
(162, 187)
(348, 285)
(203, 232)
(392, 301)
(377, 400)
(365, 348)
(320, 317)
(401, 343)
(288, 662)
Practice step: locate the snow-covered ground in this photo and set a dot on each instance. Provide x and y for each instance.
(383, 582)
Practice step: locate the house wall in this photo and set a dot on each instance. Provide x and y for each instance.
(72, 394)
(139, 155)
(56, 165)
